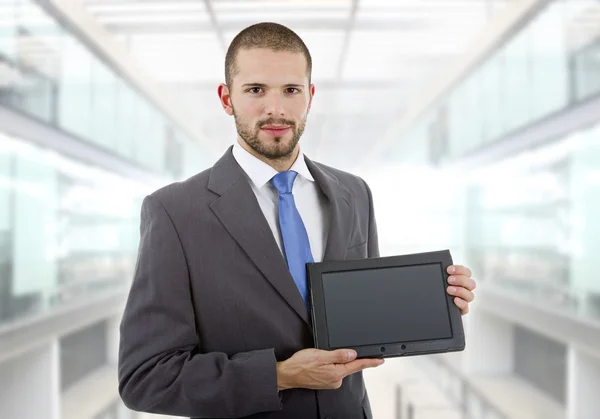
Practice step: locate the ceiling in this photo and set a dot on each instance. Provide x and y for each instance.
(370, 57)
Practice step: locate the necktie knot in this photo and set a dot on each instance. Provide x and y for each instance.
(284, 181)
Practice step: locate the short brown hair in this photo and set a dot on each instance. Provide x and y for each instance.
(265, 35)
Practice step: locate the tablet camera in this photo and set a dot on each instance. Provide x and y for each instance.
(382, 349)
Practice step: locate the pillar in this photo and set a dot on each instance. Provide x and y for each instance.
(30, 384)
(582, 385)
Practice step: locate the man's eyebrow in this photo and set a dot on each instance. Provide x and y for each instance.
(264, 85)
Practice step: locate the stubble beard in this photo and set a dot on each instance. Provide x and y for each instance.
(280, 151)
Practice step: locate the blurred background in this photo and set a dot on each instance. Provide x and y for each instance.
(475, 122)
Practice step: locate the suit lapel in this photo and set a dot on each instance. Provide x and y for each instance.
(240, 213)
(341, 218)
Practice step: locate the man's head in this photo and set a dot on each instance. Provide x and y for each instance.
(268, 88)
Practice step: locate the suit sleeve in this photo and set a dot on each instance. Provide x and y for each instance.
(160, 370)
(373, 239)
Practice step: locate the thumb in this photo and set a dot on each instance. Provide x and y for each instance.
(341, 356)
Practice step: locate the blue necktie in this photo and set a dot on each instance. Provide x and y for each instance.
(293, 233)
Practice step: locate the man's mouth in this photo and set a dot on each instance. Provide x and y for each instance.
(275, 130)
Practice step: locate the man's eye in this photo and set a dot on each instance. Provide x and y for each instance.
(255, 90)
(292, 90)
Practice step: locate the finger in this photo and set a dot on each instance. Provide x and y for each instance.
(459, 270)
(462, 281)
(360, 364)
(339, 356)
(462, 305)
(462, 293)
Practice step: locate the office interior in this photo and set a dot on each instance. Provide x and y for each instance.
(475, 122)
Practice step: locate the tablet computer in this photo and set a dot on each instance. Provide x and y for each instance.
(385, 307)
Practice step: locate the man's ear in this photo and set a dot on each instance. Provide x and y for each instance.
(225, 98)
(312, 93)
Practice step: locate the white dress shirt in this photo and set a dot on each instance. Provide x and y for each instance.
(310, 201)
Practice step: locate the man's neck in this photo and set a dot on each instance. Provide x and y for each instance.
(281, 165)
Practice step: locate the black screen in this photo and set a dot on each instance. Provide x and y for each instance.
(386, 305)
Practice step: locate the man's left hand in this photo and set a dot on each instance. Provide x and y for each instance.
(461, 287)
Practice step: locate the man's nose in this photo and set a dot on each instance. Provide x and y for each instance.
(274, 105)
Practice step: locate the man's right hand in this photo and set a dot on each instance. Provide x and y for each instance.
(320, 370)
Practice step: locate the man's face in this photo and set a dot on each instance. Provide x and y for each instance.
(269, 98)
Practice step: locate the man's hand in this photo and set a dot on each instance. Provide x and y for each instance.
(461, 287)
(320, 370)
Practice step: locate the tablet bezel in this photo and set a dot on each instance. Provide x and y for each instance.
(319, 320)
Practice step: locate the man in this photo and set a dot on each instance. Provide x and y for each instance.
(216, 324)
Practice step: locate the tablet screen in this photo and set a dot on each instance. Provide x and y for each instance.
(386, 305)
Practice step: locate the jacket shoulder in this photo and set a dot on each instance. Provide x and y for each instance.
(181, 191)
(353, 182)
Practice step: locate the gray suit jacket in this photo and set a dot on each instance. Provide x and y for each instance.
(213, 307)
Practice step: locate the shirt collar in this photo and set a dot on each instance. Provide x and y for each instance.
(260, 172)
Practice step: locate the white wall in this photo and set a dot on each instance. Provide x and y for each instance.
(582, 385)
(30, 386)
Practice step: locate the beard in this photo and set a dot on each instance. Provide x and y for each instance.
(281, 149)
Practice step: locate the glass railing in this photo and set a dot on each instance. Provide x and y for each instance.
(471, 402)
(528, 226)
(68, 231)
(533, 226)
(27, 90)
(48, 73)
(548, 65)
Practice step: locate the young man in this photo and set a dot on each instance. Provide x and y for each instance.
(217, 321)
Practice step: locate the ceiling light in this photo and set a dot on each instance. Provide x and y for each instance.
(233, 6)
(171, 6)
(272, 15)
(156, 18)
